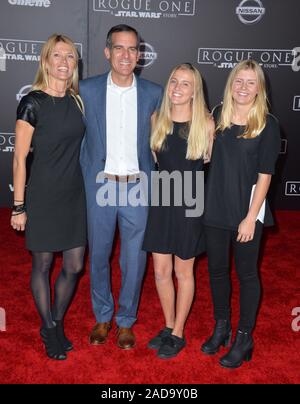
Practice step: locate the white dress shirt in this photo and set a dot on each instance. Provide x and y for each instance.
(121, 129)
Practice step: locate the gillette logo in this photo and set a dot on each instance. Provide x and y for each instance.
(30, 3)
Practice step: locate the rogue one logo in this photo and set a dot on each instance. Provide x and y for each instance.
(7, 142)
(31, 3)
(147, 55)
(250, 11)
(296, 104)
(229, 57)
(23, 50)
(292, 188)
(146, 8)
(2, 60)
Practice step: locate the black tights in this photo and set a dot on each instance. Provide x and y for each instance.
(64, 286)
(245, 255)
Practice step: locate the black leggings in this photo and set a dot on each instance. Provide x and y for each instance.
(218, 242)
(64, 286)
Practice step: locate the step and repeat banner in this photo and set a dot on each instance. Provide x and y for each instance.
(214, 35)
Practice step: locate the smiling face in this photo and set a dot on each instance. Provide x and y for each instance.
(61, 63)
(245, 87)
(123, 57)
(181, 87)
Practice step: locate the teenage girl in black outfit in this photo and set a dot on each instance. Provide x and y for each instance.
(243, 160)
(181, 139)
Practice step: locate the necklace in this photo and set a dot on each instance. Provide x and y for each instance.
(57, 91)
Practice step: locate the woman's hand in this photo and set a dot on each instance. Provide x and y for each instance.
(211, 135)
(24, 133)
(18, 222)
(246, 230)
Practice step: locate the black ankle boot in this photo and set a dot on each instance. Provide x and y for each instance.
(53, 347)
(64, 341)
(221, 336)
(241, 350)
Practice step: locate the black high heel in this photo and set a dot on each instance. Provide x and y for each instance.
(53, 347)
(64, 341)
(241, 350)
(221, 337)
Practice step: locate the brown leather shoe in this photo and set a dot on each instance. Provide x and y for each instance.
(99, 333)
(125, 338)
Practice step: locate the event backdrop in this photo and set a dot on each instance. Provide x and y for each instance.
(212, 34)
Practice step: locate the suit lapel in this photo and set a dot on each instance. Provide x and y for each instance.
(100, 109)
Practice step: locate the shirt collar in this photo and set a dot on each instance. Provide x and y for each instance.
(111, 84)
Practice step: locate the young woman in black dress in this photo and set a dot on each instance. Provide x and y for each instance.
(54, 215)
(180, 140)
(243, 160)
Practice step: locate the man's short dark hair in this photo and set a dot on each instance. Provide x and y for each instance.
(121, 28)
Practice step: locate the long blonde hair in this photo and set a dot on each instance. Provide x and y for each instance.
(198, 139)
(257, 115)
(41, 81)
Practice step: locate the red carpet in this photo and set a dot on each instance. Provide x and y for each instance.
(276, 356)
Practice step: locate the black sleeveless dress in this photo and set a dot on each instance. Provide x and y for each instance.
(169, 230)
(55, 197)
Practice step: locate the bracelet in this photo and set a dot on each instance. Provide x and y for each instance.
(19, 201)
(19, 208)
(17, 214)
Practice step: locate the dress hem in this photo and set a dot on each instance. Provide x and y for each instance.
(174, 253)
(53, 250)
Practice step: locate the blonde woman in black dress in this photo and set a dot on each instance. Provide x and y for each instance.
(54, 215)
(180, 140)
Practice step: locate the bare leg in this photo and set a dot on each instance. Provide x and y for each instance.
(185, 294)
(163, 267)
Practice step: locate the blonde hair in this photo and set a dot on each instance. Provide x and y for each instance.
(257, 115)
(41, 81)
(198, 139)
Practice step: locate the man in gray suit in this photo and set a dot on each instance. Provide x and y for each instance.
(116, 154)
